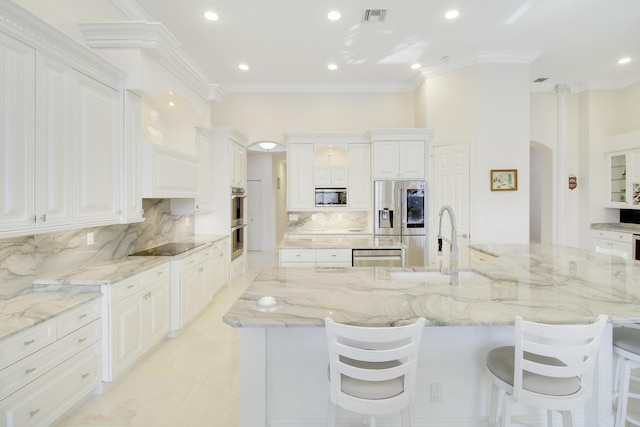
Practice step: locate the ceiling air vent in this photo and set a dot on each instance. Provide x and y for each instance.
(374, 15)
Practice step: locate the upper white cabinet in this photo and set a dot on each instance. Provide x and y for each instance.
(17, 121)
(623, 182)
(132, 183)
(300, 194)
(238, 163)
(98, 148)
(62, 139)
(328, 159)
(359, 196)
(400, 153)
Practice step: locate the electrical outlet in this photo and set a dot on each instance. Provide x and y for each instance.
(436, 392)
(313, 217)
(90, 239)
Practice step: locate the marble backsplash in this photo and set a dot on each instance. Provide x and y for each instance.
(22, 258)
(330, 220)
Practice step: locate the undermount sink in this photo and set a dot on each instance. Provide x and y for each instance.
(435, 277)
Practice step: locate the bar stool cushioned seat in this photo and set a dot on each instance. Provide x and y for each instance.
(626, 347)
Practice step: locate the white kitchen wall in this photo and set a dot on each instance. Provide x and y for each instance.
(267, 116)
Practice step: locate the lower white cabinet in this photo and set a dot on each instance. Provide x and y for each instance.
(612, 243)
(315, 257)
(47, 369)
(138, 313)
(196, 279)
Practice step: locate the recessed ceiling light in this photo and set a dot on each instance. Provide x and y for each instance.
(243, 67)
(211, 16)
(171, 104)
(332, 66)
(415, 66)
(624, 60)
(452, 14)
(334, 15)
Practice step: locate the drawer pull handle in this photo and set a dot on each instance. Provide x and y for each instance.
(334, 255)
(160, 273)
(130, 286)
(34, 413)
(81, 340)
(29, 342)
(28, 371)
(85, 375)
(82, 316)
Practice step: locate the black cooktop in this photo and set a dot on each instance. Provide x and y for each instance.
(168, 249)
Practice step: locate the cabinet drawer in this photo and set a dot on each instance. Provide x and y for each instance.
(333, 255)
(37, 364)
(77, 317)
(158, 274)
(24, 343)
(298, 255)
(612, 235)
(126, 287)
(55, 393)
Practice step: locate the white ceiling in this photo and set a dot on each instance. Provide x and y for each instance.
(288, 43)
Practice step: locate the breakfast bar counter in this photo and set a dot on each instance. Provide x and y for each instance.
(283, 344)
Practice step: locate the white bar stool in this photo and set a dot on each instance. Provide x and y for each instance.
(626, 347)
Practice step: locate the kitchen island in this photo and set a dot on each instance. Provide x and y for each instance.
(283, 352)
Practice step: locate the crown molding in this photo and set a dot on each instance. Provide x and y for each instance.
(132, 10)
(318, 88)
(31, 30)
(157, 41)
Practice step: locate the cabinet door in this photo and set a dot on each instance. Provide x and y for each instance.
(158, 307)
(359, 195)
(238, 159)
(53, 142)
(17, 77)
(127, 332)
(208, 278)
(97, 151)
(132, 161)
(617, 168)
(204, 201)
(385, 160)
(191, 290)
(339, 176)
(411, 159)
(300, 177)
(322, 176)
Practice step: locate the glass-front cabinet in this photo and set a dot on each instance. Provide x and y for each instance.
(624, 179)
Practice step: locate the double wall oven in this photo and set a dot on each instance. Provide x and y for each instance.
(238, 221)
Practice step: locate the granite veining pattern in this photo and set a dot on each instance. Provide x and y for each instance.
(617, 226)
(545, 283)
(25, 311)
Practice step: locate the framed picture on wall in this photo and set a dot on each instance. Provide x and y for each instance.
(504, 179)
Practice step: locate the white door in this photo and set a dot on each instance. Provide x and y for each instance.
(254, 221)
(451, 187)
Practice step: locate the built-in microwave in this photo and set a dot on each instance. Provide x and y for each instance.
(331, 197)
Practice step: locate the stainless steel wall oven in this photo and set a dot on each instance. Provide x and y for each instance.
(238, 221)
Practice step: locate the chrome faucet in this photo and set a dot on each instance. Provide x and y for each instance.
(453, 246)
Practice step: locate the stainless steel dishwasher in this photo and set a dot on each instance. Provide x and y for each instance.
(377, 258)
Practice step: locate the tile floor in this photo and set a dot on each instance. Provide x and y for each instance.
(190, 380)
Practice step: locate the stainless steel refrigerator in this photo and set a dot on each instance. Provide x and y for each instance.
(400, 210)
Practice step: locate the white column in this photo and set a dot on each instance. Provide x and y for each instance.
(560, 168)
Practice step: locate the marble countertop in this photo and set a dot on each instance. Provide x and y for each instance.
(545, 283)
(339, 243)
(617, 226)
(27, 310)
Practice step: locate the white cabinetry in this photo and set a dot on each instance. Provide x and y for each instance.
(47, 369)
(359, 191)
(61, 139)
(300, 193)
(98, 150)
(612, 243)
(400, 153)
(399, 160)
(168, 173)
(623, 183)
(132, 183)
(315, 257)
(197, 278)
(138, 316)
(331, 176)
(238, 171)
